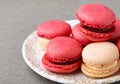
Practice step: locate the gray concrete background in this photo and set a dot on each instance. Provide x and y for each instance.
(18, 18)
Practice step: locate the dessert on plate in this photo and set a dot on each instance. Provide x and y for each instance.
(100, 59)
(62, 55)
(96, 22)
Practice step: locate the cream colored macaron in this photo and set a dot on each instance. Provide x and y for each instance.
(100, 59)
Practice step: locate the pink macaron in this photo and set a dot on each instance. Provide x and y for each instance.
(62, 52)
(96, 21)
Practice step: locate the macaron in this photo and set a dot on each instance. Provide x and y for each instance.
(116, 34)
(100, 59)
(63, 51)
(78, 35)
(51, 29)
(96, 21)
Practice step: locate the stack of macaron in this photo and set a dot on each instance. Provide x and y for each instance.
(92, 45)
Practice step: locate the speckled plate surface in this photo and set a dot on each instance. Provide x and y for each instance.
(32, 55)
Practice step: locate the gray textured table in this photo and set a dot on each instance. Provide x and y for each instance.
(18, 18)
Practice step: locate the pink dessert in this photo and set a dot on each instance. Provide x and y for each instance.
(96, 21)
(63, 55)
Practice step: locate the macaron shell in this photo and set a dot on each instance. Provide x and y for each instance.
(63, 49)
(60, 68)
(78, 35)
(53, 28)
(94, 36)
(96, 16)
(98, 74)
(100, 53)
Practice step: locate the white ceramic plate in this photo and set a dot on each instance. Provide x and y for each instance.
(32, 55)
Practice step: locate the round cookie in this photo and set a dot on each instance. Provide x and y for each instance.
(100, 59)
(96, 22)
(63, 55)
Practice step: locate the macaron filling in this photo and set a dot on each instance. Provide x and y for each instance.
(98, 30)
